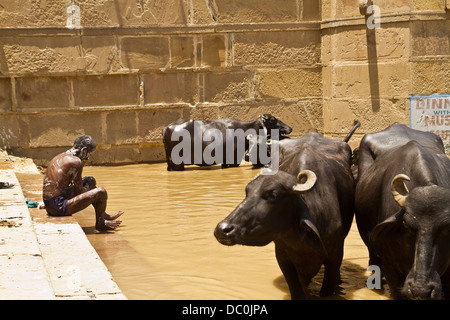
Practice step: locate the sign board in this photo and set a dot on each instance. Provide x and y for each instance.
(431, 113)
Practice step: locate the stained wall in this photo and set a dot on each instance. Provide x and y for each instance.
(126, 69)
(369, 74)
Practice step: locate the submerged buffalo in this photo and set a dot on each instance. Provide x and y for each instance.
(407, 232)
(306, 208)
(222, 141)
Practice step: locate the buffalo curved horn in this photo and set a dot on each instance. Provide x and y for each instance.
(311, 179)
(397, 186)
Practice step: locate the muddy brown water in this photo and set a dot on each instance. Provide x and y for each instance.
(166, 249)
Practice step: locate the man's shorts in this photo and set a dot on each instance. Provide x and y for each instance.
(57, 206)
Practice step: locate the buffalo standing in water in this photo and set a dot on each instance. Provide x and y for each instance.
(306, 208)
(407, 233)
(266, 123)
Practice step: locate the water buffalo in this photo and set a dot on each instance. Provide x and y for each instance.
(258, 153)
(306, 208)
(286, 146)
(407, 232)
(215, 135)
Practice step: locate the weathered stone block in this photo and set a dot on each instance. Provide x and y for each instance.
(61, 129)
(145, 53)
(277, 48)
(170, 88)
(430, 38)
(213, 52)
(393, 41)
(12, 134)
(339, 114)
(129, 153)
(227, 86)
(359, 43)
(252, 11)
(327, 81)
(374, 80)
(393, 6)
(100, 53)
(350, 8)
(152, 122)
(108, 90)
(289, 83)
(31, 13)
(429, 4)
(328, 9)
(205, 112)
(310, 10)
(5, 94)
(119, 154)
(344, 8)
(121, 127)
(199, 12)
(141, 13)
(182, 52)
(43, 92)
(41, 55)
(430, 77)
(24, 277)
(152, 153)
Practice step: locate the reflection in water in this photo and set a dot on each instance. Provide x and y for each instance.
(166, 249)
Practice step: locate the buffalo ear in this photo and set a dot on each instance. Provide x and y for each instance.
(308, 233)
(387, 227)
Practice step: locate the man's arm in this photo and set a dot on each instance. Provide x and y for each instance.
(77, 169)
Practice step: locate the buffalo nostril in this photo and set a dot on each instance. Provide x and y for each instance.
(226, 228)
(224, 233)
(423, 292)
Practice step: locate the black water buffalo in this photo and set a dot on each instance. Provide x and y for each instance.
(258, 153)
(214, 136)
(306, 208)
(286, 146)
(407, 232)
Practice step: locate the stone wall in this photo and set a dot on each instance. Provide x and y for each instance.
(369, 74)
(126, 68)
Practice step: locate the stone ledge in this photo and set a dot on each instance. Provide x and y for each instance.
(160, 30)
(385, 18)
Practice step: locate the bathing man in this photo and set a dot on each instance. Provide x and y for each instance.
(66, 192)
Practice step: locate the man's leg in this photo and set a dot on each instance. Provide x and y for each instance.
(90, 183)
(98, 198)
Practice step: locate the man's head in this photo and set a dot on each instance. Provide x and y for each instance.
(83, 146)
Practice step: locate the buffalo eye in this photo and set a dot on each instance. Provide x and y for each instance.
(407, 227)
(445, 231)
(269, 195)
